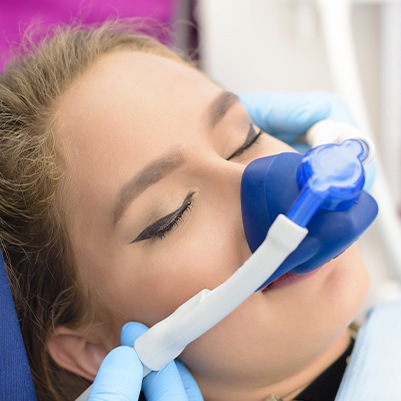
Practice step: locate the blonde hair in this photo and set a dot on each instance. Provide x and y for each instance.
(36, 248)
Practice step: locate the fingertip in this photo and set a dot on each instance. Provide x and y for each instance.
(370, 176)
(120, 375)
(185, 374)
(164, 385)
(130, 332)
(311, 113)
(190, 384)
(120, 358)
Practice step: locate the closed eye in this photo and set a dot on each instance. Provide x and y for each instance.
(250, 140)
(160, 228)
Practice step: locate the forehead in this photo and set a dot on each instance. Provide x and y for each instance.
(126, 110)
(130, 78)
(135, 91)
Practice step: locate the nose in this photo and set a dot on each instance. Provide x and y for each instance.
(221, 182)
(222, 175)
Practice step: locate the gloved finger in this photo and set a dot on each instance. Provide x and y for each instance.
(130, 332)
(191, 387)
(166, 384)
(288, 115)
(285, 115)
(119, 377)
(370, 176)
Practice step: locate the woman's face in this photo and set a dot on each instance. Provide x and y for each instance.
(154, 154)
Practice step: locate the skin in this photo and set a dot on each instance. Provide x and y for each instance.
(127, 110)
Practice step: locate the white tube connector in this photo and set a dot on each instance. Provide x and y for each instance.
(329, 131)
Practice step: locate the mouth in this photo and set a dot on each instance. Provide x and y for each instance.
(288, 279)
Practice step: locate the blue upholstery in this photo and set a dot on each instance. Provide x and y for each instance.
(15, 377)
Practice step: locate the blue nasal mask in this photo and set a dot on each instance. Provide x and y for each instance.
(322, 190)
(298, 212)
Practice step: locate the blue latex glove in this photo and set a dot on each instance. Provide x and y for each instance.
(120, 376)
(288, 115)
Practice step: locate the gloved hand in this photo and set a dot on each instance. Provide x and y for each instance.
(120, 376)
(288, 115)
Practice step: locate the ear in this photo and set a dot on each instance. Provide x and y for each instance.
(76, 351)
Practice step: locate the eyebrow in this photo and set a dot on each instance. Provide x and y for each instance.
(149, 175)
(166, 164)
(219, 107)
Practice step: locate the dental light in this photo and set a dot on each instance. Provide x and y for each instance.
(280, 196)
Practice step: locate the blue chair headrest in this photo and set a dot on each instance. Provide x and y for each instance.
(15, 377)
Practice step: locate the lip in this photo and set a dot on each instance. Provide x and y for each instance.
(288, 279)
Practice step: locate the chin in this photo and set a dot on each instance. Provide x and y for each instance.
(329, 298)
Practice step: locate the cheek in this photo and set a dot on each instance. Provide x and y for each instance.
(182, 265)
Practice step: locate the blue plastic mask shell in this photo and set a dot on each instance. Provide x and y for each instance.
(269, 188)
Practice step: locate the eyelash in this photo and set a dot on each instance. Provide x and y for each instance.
(162, 227)
(250, 142)
(162, 233)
